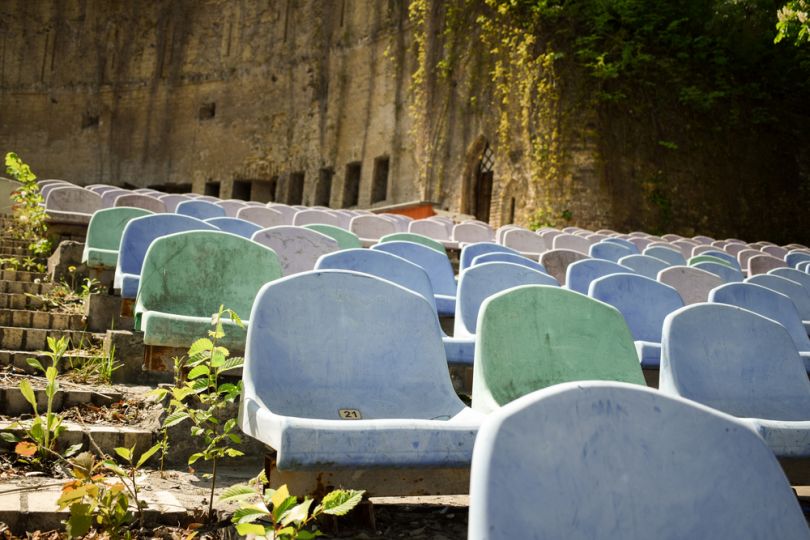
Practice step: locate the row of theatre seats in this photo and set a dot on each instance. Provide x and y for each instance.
(346, 364)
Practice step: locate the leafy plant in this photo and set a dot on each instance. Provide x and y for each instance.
(794, 22)
(95, 369)
(201, 397)
(275, 514)
(28, 210)
(44, 430)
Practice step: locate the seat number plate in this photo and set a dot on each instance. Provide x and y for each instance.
(350, 414)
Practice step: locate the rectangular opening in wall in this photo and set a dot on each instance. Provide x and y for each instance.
(351, 184)
(263, 190)
(511, 210)
(379, 186)
(212, 188)
(323, 190)
(241, 190)
(295, 188)
(171, 188)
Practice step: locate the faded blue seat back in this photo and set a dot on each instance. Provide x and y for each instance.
(579, 275)
(793, 258)
(642, 301)
(510, 258)
(644, 265)
(383, 265)
(622, 242)
(609, 251)
(725, 272)
(735, 361)
(802, 278)
(200, 209)
(471, 251)
(730, 259)
(789, 288)
(766, 302)
(479, 282)
(234, 225)
(136, 239)
(670, 255)
(602, 460)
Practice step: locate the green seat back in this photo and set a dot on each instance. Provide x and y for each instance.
(345, 239)
(415, 238)
(105, 230)
(707, 258)
(535, 336)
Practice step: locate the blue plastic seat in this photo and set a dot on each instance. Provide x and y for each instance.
(609, 251)
(768, 303)
(730, 259)
(644, 265)
(724, 272)
(438, 269)
(200, 209)
(370, 388)
(601, 460)
(580, 274)
(471, 251)
(793, 258)
(741, 363)
(234, 225)
(623, 242)
(789, 288)
(298, 248)
(138, 235)
(510, 258)
(644, 303)
(670, 255)
(802, 278)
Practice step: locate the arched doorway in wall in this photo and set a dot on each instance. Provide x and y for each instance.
(478, 180)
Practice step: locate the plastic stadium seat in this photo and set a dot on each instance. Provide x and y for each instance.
(416, 239)
(345, 238)
(471, 251)
(536, 336)
(609, 251)
(644, 265)
(199, 209)
(104, 235)
(510, 258)
(308, 217)
(186, 278)
(557, 261)
(789, 288)
(580, 274)
(469, 232)
(234, 225)
(524, 241)
(666, 254)
(298, 248)
(723, 271)
(140, 200)
(693, 284)
(262, 216)
(370, 228)
(66, 204)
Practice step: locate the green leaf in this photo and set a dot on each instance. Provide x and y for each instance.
(199, 371)
(80, 520)
(201, 345)
(36, 364)
(245, 529)
(72, 450)
(237, 492)
(279, 496)
(298, 514)
(175, 418)
(149, 453)
(233, 452)
(249, 513)
(115, 468)
(28, 393)
(341, 501)
(232, 363)
(9, 437)
(306, 535)
(125, 453)
(281, 509)
(194, 457)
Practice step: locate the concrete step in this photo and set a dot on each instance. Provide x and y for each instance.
(19, 300)
(43, 320)
(21, 287)
(19, 359)
(12, 402)
(7, 254)
(34, 339)
(19, 247)
(21, 275)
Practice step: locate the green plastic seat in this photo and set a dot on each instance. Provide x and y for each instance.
(345, 239)
(104, 235)
(415, 238)
(707, 258)
(186, 277)
(536, 336)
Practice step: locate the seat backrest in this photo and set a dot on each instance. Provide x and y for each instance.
(100, 188)
(701, 239)
(735, 361)
(643, 302)
(470, 232)
(73, 200)
(415, 238)
(762, 264)
(194, 273)
(262, 216)
(199, 209)
(733, 248)
(720, 254)
(619, 474)
(776, 251)
(234, 225)
(108, 197)
(644, 265)
(377, 349)
(288, 212)
(797, 256)
(745, 255)
(430, 228)
(802, 278)
(44, 189)
(536, 336)
(510, 258)
(666, 254)
(383, 265)
(308, 217)
(640, 242)
(436, 264)
(371, 227)
(141, 200)
(172, 200)
(707, 258)
(344, 237)
(789, 288)
(609, 251)
(623, 242)
(479, 282)
(231, 207)
(107, 225)
(685, 246)
(572, 242)
(298, 248)
(766, 302)
(693, 284)
(523, 240)
(471, 251)
(139, 233)
(556, 262)
(724, 271)
(579, 275)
